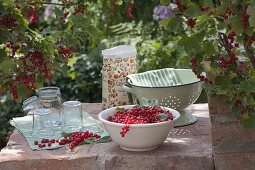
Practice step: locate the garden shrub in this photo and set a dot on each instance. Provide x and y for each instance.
(81, 80)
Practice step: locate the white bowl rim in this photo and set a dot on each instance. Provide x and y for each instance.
(175, 113)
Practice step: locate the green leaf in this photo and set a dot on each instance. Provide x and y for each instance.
(3, 36)
(222, 8)
(104, 139)
(203, 19)
(22, 90)
(50, 48)
(3, 10)
(221, 26)
(39, 82)
(193, 10)
(22, 22)
(58, 11)
(6, 65)
(92, 140)
(251, 13)
(162, 116)
(192, 44)
(165, 22)
(3, 55)
(248, 120)
(88, 141)
(247, 100)
(210, 48)
(206, 65)
(249, 31)
(248, 86)
(71, 74)
(236, 24)
(208, 3)
(185, 2)
(65, 134)
(8, 2)
(173, 24)
(119, 2)
(223, 82)
(236, 110)
(164, 2)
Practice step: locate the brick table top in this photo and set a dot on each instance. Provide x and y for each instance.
(187, 147)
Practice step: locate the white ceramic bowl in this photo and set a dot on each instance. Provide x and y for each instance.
(140, 137)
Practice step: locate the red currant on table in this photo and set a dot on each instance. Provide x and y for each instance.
(73, 139)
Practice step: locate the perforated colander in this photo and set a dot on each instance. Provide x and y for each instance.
(173, 88)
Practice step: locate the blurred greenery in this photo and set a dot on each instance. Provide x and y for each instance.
(8, 110)
(157, 48)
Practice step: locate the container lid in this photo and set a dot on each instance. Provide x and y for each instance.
(30, 103)
(119, 51)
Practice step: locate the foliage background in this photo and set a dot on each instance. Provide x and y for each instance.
(157, 48)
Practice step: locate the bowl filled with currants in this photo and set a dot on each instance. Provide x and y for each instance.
(139, 128)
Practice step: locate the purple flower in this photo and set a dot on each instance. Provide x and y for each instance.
(161, 12)
(49, 10)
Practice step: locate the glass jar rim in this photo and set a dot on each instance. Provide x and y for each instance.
(71, 103)
(50, 89)
(48, 93)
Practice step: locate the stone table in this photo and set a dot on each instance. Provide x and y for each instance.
(187, 147)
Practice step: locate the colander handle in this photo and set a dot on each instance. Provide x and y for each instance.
(127, 89)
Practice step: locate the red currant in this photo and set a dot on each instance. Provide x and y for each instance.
(139, 115)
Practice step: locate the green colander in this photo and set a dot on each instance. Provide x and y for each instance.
(169, 87)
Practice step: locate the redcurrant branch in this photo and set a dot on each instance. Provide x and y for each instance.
(248, 49)
(4, 78)
(221, 40)
(52, 3)
(219, 18)
(224, 42)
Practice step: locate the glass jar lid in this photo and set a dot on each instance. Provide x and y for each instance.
(30, 103)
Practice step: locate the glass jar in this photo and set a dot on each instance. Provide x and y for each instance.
(50, 98)
(41, 123)
(72, 119)
(47, 98)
